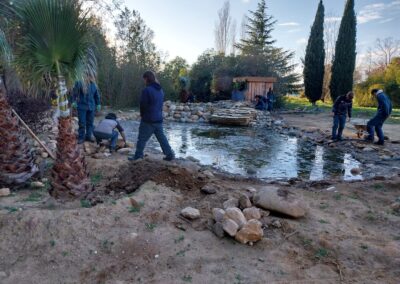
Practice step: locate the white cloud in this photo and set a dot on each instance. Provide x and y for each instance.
(386, 20)
(302, 40)
(289, 24)
(378, 11)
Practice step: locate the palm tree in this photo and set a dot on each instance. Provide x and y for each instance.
(54, 46)
(17, 160)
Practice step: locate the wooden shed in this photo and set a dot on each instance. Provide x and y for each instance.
(256, 85)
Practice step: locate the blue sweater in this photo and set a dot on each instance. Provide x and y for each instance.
(151, 103)
(86, 100)
(384, 105)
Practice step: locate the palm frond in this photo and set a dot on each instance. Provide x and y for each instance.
(5, 50)
(55, 40)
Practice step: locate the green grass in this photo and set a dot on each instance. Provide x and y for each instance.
(292, 103)
(179, 239)
(150, 226)
(96, 178)
(321, 253)
(33, 197)
(85, 203)
(187, 278)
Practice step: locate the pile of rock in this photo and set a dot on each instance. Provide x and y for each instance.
(241, 216)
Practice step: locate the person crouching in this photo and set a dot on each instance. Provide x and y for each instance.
(106, 131)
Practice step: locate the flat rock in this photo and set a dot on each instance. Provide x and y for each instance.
(190, 213)
(99, 156)
(209, 189)
(236, 215)
(37, 184)
(244, 201)
(218, 214)
(5, 192)
(218, 229)
(250, 233)
(89, 148)
(125, 151)
(252, 213)
(230, 227)
(44, 155)
(232, 202)
(279, 200)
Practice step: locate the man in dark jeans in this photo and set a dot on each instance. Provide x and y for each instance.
(87, 100)
(376, 123)
(151, 107)
(341, 108)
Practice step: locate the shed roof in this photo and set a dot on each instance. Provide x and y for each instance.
(256, 79)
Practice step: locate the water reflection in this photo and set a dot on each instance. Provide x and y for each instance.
(265, 153)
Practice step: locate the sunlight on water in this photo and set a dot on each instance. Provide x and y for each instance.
(250, 152)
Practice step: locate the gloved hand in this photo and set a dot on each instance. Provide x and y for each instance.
(98, 107)
(74, 105)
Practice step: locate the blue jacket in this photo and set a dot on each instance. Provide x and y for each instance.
(384, 105)
(260, 105)
(151, 103)
(85, 101)
(342, 106)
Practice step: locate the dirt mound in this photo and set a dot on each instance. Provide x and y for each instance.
(135, 174)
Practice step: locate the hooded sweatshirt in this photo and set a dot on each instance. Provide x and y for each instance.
(384, 104)
(151, 104)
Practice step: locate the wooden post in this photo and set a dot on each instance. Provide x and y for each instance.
(33, 135)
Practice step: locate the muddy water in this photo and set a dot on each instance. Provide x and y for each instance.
(246, 151)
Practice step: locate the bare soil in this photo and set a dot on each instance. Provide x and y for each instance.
(350, 234)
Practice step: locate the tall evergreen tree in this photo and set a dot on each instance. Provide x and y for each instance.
(314, 67)
(259, 26)
(345, 53)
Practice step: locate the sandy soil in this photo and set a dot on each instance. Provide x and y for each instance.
(323, 121)
(350, 235)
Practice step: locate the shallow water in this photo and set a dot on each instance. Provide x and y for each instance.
(246, 151)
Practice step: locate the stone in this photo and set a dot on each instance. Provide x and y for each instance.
(190, 213)
(252, 213)
(236, 215)
(208, 174)
(218, 229)
(125, 151)
(37, 184)
(395, 206)
(276, 224)
(44, 155)
(251, 171)
(251, 189)
(355, 171)
(218, 214)
(99, 156)
(232, 202)
(5, 192)
(230, 227)
(368, 149)
(89, 148)
(244, 202)
(209, 189)
(250, 233)
(279, 200)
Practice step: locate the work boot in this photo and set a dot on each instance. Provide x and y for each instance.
(380, 143)
(169, 158)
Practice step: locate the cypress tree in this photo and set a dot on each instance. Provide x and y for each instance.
(314, 68)
(258, 38)
(345, 54)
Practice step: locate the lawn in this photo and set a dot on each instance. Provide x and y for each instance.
(292, 103)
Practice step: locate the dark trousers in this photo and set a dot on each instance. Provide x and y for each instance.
(104, 136)
(339, 122)
(376, 124)
(86, 119)
(146, 130)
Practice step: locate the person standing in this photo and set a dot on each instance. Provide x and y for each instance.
(341, 108)
(270, 100)
(86, 98)
(376, 123)
(151, 107)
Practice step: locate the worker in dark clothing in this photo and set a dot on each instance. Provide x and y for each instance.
(260, 105)
(376, 123)
(151, 107)
(341, 109)
(106, 131)
(86, 98)
(270, 100)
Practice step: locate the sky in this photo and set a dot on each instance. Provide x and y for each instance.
(186, 27)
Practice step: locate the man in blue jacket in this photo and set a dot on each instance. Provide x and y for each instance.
(341, 109)
(151, 107)
(86, 99)
(376, 123)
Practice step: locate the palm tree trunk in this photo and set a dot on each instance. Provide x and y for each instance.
(70, 177)
(17, 159)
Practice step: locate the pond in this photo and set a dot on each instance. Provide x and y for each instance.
(264, 154)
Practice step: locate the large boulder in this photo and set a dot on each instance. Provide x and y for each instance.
(251, 232)
(236, 215)
(280, 200)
